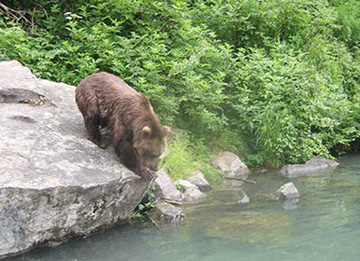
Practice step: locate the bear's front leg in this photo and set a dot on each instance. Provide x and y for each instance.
(131, 160)
(145, 172)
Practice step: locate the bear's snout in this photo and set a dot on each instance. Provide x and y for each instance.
(155, 168)
(152, 164)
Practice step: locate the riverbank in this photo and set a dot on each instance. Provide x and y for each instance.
(324, 225)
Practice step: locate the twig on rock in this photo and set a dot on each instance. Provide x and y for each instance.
(154, 223)
(172, 201)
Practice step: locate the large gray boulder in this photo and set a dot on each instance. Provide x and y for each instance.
(54, 183)
(313, 167)
(165, 188)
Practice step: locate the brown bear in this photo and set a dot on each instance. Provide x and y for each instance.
(138, 137)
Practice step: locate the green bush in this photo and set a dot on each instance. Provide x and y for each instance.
(348, 15)
(151, 44)
(275, 81)
(289, 108)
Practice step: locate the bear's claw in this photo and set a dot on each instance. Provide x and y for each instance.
(147, 174)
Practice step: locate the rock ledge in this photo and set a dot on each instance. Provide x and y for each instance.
(54, 183)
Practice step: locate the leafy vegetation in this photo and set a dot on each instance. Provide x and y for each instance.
(185, 155)
(146, 205)
(275, 81)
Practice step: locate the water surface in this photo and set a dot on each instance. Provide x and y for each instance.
(323, 225)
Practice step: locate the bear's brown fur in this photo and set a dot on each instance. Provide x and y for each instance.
(138, 137)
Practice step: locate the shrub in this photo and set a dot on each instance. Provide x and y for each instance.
(276, 81)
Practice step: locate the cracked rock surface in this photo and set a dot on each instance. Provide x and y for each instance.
(54, 183)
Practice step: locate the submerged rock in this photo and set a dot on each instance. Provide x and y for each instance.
(54, 183)
(287, 191)
(245, 200)
(290, 204)
(165, 188)
(312, 167)
(193, 195)
(198, 179)
(191, 192)
(165, 214)
(250, 226)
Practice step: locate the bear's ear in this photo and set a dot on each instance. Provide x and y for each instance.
(146, 131)
(166, 130)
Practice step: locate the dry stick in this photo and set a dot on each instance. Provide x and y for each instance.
(167, 200)
(17, 15)
(245, 180)
(4, 7)
(154, 223)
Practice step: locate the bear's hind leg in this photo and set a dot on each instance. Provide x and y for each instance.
(92, 125)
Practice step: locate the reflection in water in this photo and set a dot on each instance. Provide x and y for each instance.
(323, 225)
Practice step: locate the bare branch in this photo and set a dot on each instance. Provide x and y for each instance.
(18, 16)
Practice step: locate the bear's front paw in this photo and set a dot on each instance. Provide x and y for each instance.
(147, 174)
(101, 144)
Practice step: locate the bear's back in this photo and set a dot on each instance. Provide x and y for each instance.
(104, 82)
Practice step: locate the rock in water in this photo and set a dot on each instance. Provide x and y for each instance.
(191, 192)
(287, 191)
(245, 200)
(193, 195)
(54, 183)
(231, 165)
(234, 169)
(165, 214)
(312, 167)
(199, 180)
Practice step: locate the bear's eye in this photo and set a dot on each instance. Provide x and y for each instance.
(152, 155)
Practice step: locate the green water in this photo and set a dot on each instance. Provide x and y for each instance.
(323, 225)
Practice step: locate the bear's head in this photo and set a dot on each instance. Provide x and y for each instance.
(151, 144)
